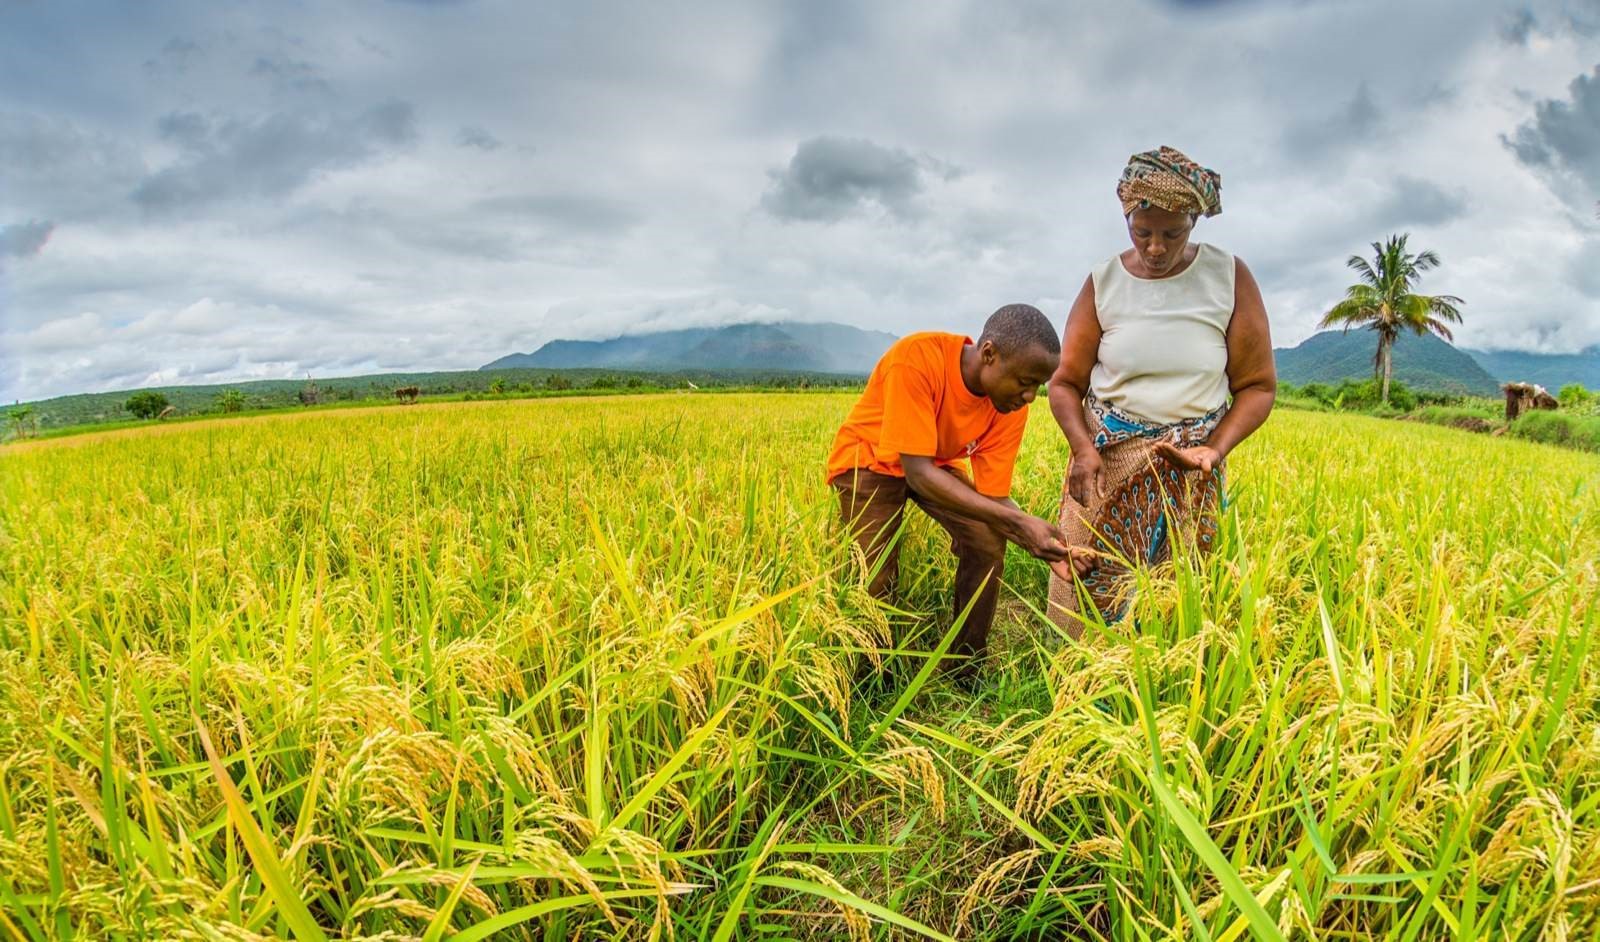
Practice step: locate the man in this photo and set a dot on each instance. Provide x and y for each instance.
(933, 401)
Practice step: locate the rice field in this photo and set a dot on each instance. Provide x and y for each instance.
(587, 669)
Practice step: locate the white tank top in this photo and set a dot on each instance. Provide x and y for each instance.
(1163, 342)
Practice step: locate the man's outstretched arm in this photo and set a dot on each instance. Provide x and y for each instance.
(953, 493)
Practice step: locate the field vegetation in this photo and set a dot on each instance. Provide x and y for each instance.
(589, 668)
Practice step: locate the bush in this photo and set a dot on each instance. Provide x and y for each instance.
(1487, 405)
(1455, 417)
(146, 405)
(1364, 396)
(1288, 400)
(1351, 394)
(1321, 392)
(558, 382)
(1557, 428)
(603, 382)
(1311, 397)
(1578, 399)
(230, 400)
(1401, 397)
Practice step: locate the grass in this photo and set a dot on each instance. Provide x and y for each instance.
(1462, 417)
(1559, 428)
(11, 434)
(585, 668)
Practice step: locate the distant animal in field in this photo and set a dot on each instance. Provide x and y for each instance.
(407, 393)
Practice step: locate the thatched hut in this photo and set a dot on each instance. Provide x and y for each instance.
(1522, 397)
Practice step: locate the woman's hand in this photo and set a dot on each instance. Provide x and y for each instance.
(1080, 561)
(1083, 476)
(1194, 458)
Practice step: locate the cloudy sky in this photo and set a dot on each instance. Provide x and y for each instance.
(220, 190)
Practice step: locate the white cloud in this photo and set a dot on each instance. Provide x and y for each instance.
(255, 190)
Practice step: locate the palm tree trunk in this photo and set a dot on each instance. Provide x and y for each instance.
(1386, 354)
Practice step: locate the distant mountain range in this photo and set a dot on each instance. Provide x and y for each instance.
(1430, 363)
(94, 408)
(1420, 362)
(765, 352)
(1550, 370)
(816, 348)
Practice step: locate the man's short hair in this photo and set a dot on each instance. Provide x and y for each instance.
(1018, 327)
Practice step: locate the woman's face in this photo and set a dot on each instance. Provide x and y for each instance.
(1160, 237)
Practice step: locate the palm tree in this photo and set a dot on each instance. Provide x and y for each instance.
(1384, 302)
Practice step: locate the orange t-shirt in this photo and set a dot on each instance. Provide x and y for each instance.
(917, 404)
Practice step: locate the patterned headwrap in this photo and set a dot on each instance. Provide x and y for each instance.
(1166, 179)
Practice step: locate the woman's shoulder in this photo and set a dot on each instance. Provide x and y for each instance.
(1227, 258)
(1108, 267)
(1217, 263)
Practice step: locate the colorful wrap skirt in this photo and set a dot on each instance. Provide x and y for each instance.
(1148, 504)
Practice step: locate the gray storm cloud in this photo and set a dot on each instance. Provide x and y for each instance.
(1564, 136)
(830, 177)
(1415, 201)
(1345, 129)
(24, 239)
(478, 137)
(268, 156)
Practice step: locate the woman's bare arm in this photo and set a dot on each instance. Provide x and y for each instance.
(1080, 348)
(1252, 375)
(1252, 378)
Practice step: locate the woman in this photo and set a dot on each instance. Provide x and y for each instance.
(1158, 340)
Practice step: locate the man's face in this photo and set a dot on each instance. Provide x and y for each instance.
(1012, 380)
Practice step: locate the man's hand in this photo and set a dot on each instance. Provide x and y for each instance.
(1038, 537)
(1084, 478)
(1194, 458)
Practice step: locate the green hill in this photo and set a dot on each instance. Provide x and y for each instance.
(1551, 370)
(1426, 363)
(95, 408)
(825, 348)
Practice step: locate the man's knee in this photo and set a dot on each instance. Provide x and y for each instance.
(874, 535)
